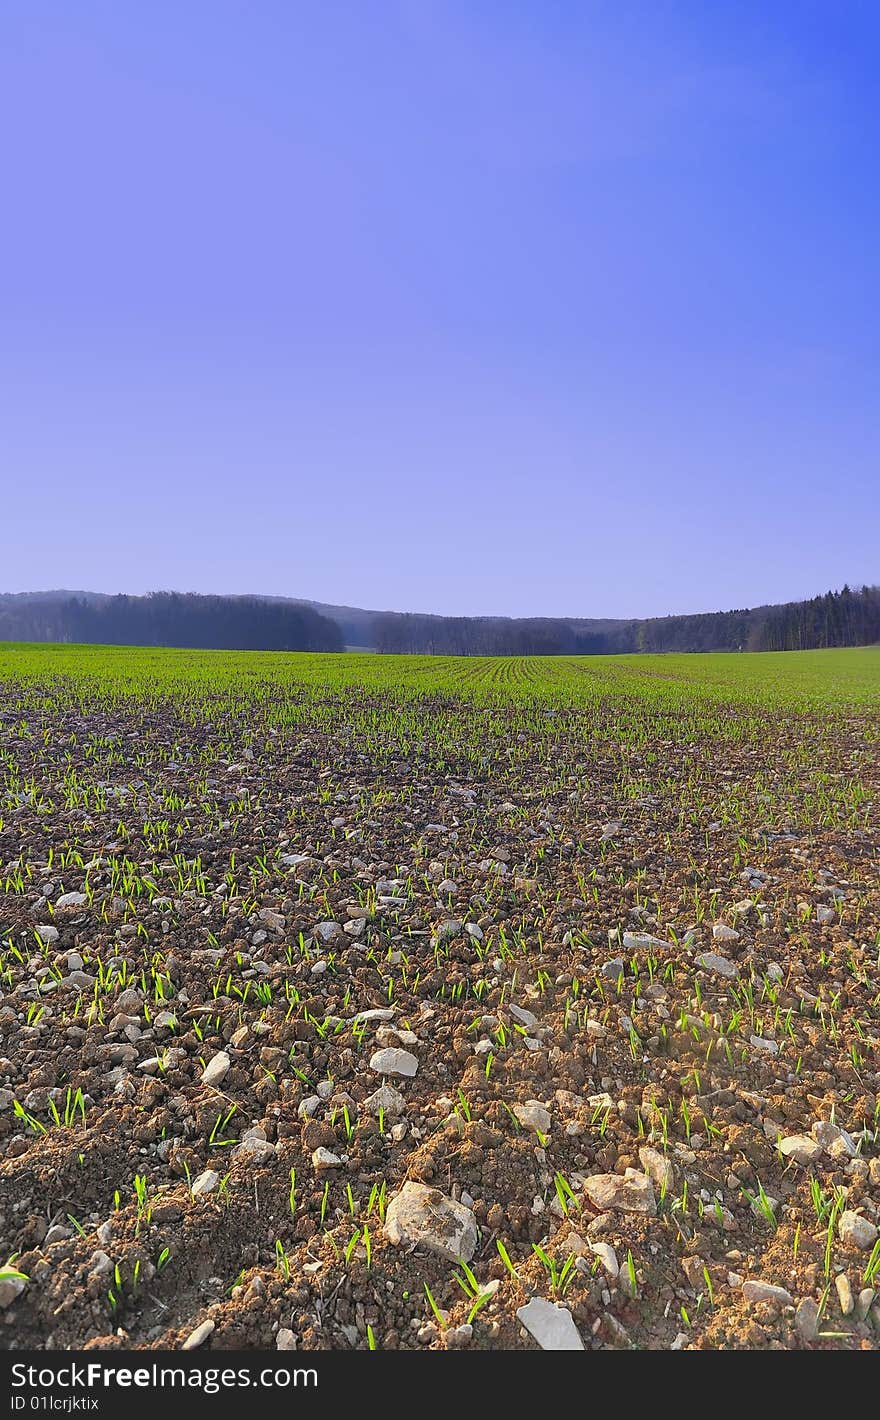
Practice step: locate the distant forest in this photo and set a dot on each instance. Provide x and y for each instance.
(171, 619)
(845, 618)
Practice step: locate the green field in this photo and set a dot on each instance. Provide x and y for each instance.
(849, 677)
(662, 725)
(624, 909)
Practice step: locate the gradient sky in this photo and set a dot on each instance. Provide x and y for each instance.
(504, 306)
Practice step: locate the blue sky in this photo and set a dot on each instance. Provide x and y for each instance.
(467, 307)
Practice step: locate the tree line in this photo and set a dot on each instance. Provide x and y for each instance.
(171, 619)
(849, 617)
(844, 618)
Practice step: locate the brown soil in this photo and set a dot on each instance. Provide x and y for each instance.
(670, 1043)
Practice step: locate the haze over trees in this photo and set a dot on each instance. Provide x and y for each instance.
(170, 619)
(841, 618)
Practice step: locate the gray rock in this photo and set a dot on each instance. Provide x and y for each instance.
(856, 1231)
(446, 932)
(825, 916)
(801, 1148)
(11, 1289)
(835, 1141)
(100, 1263)
(632, 1193)
(217, 1069)
(551, 1326)
(613, 970)
(533, 1115)
(47, 934)
(129, 1002)
(719, 966)
(386, 1098)
(608, 1258)
(328, 931)
(71, 899)
(274, 920)
(755, 1291)
(806, 1319)
(643, 942)
(458, 1336)
(524, 1017)
(392, 1061)
(424, 1217)
(285, 1339)
(254, 1147)
(722, 933)
(79, 980)
(764, 1046)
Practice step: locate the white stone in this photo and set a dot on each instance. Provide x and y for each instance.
(205, 1183)
(323, 1159)
(608, 1258)
(197, 1337)
(722, 933)
(844, 1293)
(285, 1340)
(424, 1217)
(855, 1230)
(217, 1069)
(658, 1168)
(394, 1062)
(632, 1193)
(71, 899)
(551, 1326)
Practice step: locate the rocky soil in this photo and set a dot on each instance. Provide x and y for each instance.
(514, 1029)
